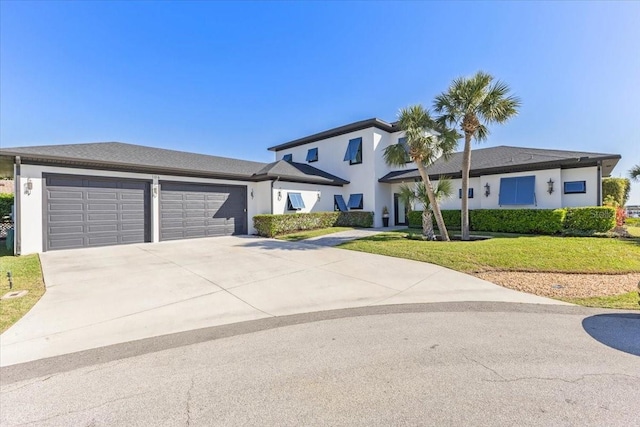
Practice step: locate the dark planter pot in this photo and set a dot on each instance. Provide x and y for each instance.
(385, 222)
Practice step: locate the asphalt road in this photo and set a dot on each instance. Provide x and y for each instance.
(429, 364)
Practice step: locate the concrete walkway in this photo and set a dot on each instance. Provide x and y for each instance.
(102, 296)
(335, 239)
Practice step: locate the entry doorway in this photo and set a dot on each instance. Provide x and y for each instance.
(400, 211)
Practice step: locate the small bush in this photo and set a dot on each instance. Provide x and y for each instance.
(452, 219)
(615, 190)
(274, 225)
(527, 221)
(6, 201)
(598, 219)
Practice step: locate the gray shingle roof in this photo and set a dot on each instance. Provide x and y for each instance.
(140, 158)
(291, 171)
(507, 159)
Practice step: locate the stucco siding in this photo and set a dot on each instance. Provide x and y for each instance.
(590, 197)
(317, 198)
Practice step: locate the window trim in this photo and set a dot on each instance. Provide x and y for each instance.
(583, 191)
(290, 202)
(358, 206)
(288, 157)
(312, 158)
(354, 158)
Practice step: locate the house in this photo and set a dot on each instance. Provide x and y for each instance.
(111, 193)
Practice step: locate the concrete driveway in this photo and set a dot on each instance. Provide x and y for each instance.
(102, 296)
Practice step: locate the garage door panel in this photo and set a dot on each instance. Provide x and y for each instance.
(204, 210)
(88, 211)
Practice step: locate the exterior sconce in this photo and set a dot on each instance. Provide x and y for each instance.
(252, 193)
(487, 190)
(28, 186)
(319, 195)
(550, 185)
(279, 195)
(155, 191)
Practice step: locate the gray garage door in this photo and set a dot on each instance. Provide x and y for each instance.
(85, 211)
(194, 210)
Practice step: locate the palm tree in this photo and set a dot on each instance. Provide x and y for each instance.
(426, 141)
(409, 194)
(473, 104)
(634, 173)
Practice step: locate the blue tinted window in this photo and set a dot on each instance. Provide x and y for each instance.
(518, 191)
(339, 204)
(355, 201)
(312, 155)
(403, 141)
(354, 151)
(571, 187)
(460, 193)
(294, 202)
(288, 157)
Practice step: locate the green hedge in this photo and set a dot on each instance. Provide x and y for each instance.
(274, 225)
(6, 201)
(529, 221)
(452, 219)
(598, 219)
(532, 221)
(617, 189)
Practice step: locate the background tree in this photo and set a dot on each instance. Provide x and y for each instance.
(634, 173)
(473, 104)
(410, 194)
(427, 140)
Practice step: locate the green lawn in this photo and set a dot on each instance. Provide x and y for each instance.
(634, 230)
(512, 253)
(306, 234)
(628, 301)
(27, 275)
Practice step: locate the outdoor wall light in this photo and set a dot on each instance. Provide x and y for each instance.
(319, 195)
(487, 189)
(28, 186)
(155, 191)
(252, 193)
(279, 195)
(550, 186)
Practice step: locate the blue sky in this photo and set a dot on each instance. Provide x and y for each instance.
(232, 79)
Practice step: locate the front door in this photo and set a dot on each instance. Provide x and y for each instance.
(400, 210)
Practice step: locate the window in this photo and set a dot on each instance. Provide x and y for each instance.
(575, 187)
(312, 155)
(288, 158)
(355, 201)
(354, 151)
(517, 191)
(339, 204)
(294, 202)
(403, 141)
(470, 193)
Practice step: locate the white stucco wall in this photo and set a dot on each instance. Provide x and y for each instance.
(316, 198)
(590, 176)
(31, 220)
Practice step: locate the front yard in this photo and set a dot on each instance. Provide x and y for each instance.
(27, 275)
(574, 269)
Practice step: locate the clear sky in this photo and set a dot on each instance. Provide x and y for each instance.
(232, 79)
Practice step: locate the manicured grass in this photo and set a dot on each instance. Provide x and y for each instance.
(512, 252)
(628, 301)
(27, 275)
(306, 234)
(634, 231)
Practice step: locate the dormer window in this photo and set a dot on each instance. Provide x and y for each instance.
(312, 155)
(288, 158)
(354, 151)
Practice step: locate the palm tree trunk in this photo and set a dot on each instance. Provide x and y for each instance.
(427, 224)
(466, 166)
(434, 203)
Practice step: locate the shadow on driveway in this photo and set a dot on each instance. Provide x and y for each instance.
(618, 330)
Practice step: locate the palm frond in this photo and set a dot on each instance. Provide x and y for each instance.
(395, 155)
(634, 173)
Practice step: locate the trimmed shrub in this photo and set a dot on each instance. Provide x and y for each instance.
(6, 201)
(527, 221)
(452, 219)
(616, 190)
(274, 225)
(597, 219)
